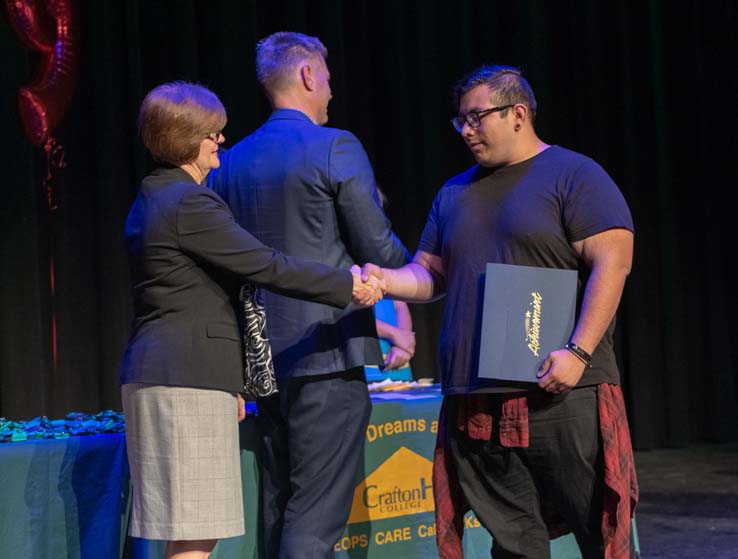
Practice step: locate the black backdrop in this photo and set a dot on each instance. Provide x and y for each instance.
(648, 90)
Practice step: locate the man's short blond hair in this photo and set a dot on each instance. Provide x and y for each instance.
(278, 54)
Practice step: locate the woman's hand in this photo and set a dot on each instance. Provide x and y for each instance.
(241, 408)
(367, 291)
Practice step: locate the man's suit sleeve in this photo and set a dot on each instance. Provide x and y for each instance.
(208, 232)
(365, 228)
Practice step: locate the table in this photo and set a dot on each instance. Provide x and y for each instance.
(63, 498)
(69, 498)
(393, 511)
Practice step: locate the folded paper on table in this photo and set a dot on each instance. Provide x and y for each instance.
(528, 312)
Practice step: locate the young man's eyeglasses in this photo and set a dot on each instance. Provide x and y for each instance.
(474, 118)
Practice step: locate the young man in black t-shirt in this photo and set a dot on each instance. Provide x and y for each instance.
(532, 204)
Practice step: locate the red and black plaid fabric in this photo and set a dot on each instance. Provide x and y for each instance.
(621, 485)
(471, 417)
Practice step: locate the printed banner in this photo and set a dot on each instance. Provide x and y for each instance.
(393, 510)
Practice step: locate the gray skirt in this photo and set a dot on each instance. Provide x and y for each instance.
(183, 453)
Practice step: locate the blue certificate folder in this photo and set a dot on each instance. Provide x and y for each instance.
(528, 313)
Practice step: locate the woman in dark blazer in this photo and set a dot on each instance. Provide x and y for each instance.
(182, 372)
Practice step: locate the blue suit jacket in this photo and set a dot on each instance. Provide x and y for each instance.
(309, 191)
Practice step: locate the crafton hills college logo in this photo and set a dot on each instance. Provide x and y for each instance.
(402, 485)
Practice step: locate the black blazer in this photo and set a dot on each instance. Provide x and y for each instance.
(309, 190)
(188, 259)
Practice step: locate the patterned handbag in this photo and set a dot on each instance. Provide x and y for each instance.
(258, 373)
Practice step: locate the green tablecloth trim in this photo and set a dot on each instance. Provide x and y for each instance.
(74, 424)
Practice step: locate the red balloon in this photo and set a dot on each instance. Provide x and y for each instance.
(49, 28)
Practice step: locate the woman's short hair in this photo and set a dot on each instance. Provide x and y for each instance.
(175, 117)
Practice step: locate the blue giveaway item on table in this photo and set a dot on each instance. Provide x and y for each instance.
(528, 313)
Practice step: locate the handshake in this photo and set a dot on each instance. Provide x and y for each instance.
(369, 285)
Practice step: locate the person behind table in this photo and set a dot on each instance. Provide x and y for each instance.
(503, 450)
(310, 190)
(181, 375)
(396, 336)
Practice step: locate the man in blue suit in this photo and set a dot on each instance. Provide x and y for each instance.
(310, 191)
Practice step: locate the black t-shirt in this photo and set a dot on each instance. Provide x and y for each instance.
(527, 214)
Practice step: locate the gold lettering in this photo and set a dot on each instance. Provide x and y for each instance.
(427, 530)
(347, 543)
(408, 425)
(471, 521)
(390, 536)
(533, 323)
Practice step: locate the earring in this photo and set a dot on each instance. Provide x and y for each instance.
(517, 127)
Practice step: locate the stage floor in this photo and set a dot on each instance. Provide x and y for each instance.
(689, 502)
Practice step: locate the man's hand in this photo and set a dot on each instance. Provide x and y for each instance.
(366, 292)
(404, 339)
(370, 270)
(241, 408)
(419, 281)
(396, 358)
(560, 371)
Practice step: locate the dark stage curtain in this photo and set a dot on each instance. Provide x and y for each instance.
(647, 89)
